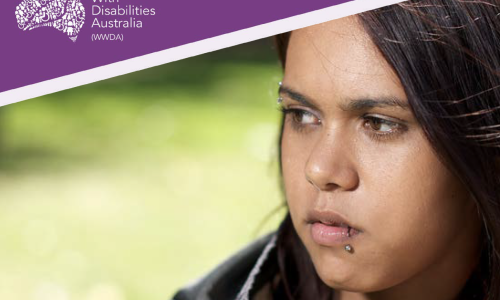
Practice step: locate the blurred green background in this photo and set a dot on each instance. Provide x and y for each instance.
(130, 188)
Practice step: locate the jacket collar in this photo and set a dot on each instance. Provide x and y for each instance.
(238, 277)
(244, 293)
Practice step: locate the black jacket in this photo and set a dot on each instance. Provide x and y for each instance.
(243, 276)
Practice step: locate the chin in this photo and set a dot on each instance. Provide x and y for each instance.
(339, 280)
(341, 275)
(350, 284)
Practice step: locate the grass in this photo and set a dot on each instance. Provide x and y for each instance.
(129, 188)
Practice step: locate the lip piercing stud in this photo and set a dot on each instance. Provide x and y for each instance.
(348, 248)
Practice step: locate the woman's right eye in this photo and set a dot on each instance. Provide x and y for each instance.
(300, 118)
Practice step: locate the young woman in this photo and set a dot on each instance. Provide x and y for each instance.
(390, 160)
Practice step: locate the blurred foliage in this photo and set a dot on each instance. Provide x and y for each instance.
(129, 188)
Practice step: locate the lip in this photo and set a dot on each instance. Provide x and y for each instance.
(328, 228)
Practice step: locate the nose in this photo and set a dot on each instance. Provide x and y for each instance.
(331, 164)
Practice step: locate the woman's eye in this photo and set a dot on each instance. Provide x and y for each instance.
(300, 118)
(303, 117)
(381, 127)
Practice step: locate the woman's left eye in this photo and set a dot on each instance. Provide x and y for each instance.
(382, 127)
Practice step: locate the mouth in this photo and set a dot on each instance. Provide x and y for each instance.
(329, 228)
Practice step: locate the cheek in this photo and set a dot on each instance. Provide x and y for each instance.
(413, 209)
(295, 151)
(411, 195)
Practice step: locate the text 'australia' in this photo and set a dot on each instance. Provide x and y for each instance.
(131, 23)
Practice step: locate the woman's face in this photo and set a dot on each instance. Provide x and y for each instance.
(358, 170)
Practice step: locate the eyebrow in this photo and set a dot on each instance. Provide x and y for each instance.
(352, 104)
(295, 96)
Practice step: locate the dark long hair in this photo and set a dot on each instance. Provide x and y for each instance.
(447, 55)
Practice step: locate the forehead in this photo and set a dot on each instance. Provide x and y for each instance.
(337, 58)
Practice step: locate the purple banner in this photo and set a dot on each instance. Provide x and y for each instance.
(46, 39)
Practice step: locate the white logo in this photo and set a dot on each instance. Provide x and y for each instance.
(67, 16)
